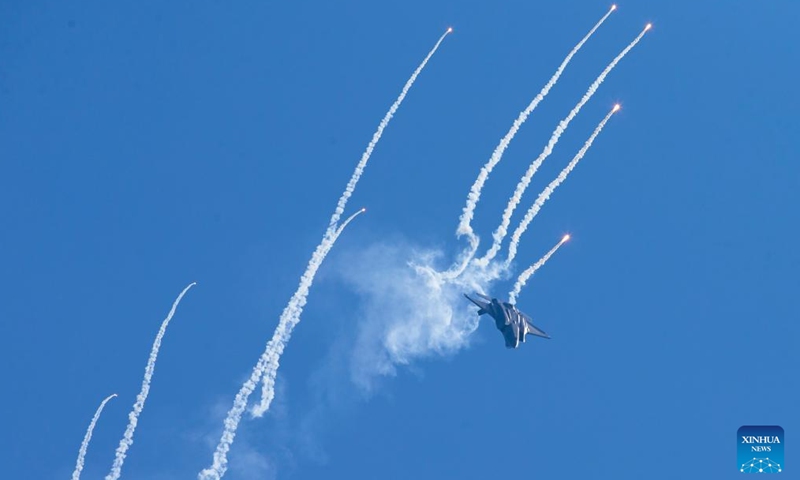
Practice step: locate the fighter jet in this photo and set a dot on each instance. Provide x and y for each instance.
(512, 323)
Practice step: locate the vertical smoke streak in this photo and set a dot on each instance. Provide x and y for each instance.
(351, 185)
(291, 314)
(501, 231)
(138, 406)
(271, 371)
(545, 194)
(464, 226)
(524, 276)
(268, 363)
(76, 475)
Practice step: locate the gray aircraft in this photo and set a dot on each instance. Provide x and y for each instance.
(512, 323)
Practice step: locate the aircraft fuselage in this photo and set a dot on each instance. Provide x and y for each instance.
(512, 323)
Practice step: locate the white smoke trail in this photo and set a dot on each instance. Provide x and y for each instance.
(138, 406)
(76, 475)
(268, 363)
(291, 314)
(542, 198)
(524, 276)
(268, 385)
(501, 231)
(407, 312)
(464, 226)
(351, 185)
(260, 409)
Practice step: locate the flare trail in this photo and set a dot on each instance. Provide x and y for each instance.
(268, 363)
(464, 226)
(138, 406)
(501, 231)
(524, 276)
(76, 475)
(362, 164)
(537, 205)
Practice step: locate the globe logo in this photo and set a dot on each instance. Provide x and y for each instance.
(760, 465)
(759, 449)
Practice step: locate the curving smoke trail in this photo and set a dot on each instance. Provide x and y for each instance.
(76, 475)
(464, 226)
(138, 406)
(267, 389)
(501, 231)
(268, 385)
(269, 360)
(542, 198)
(267, 365)
(524, 276)
(351, 185)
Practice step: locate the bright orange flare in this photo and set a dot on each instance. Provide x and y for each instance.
(616, 107)
(614, 7)
(648, 26)
(566, 237)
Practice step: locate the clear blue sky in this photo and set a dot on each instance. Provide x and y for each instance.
(146, 145)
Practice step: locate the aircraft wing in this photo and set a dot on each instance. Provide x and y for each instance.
(484, 305)
(533, 329)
